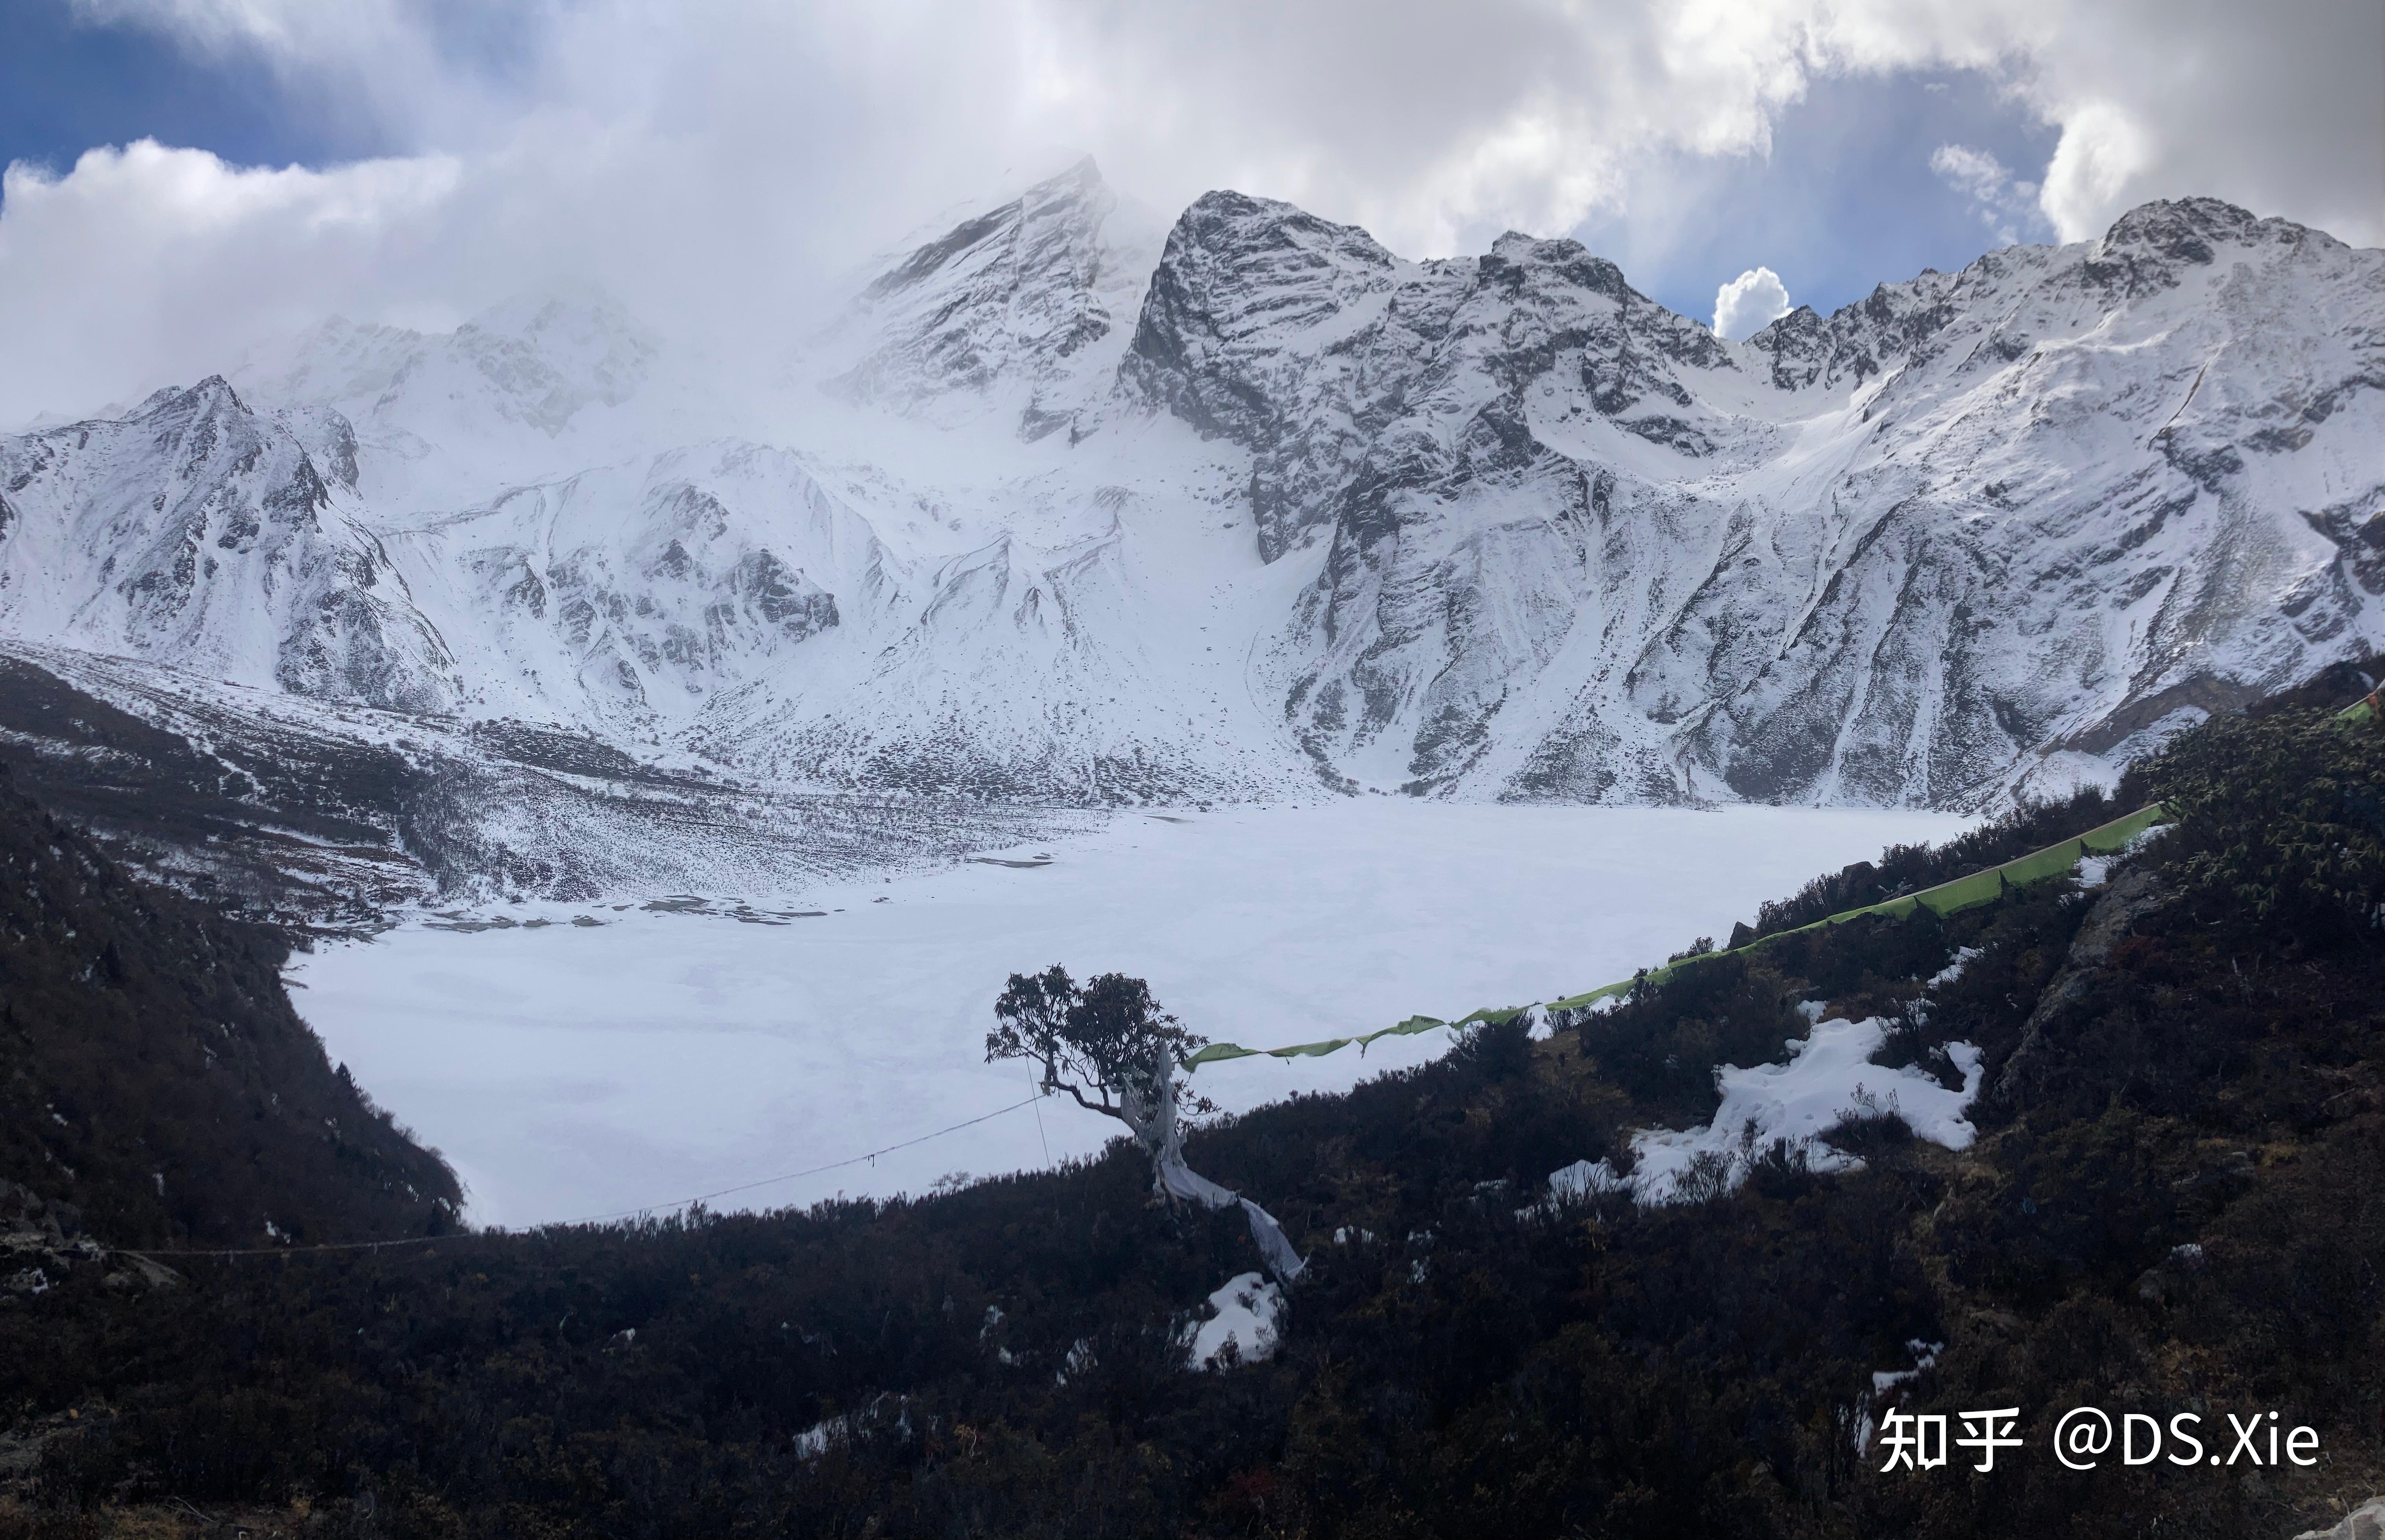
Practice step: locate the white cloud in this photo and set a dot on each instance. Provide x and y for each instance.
(2278, 107)
(2006, 205)
(1976, 172)
(147, 264)
(1749, 302)
(2104, 150)
(710, 162)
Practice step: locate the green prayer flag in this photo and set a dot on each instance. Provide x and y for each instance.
(1963, 893)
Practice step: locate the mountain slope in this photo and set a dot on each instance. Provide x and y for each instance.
(531, 387)
(2173, 1208)
(316, 817)
(1015, 309)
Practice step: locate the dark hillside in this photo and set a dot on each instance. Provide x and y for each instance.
(297, 830)
(154, 1075)
(2176, 1205)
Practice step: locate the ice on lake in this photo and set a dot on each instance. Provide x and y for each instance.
(571, 1070)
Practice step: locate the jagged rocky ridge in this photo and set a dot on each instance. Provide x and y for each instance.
(1494, 527)
(1578, 547)
(199, 531)
(1032, 296)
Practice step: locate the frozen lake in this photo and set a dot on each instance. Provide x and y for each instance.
(576, 1070)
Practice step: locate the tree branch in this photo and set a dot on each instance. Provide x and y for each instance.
(1051, 1082)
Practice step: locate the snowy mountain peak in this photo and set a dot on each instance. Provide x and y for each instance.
(2185, 230)
(1306, 341)
(1555, 513)
(524, 389)
(1018, 309)
(211, 396)
(1058, 217)
(531, 361)
(200, 534)
(1241, 285)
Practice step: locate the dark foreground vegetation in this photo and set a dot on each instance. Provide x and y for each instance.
(154, 1077)
(2176, 1204)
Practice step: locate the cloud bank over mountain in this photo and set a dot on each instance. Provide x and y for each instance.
(706, 162)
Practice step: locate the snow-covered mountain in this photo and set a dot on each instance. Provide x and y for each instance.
(541, 386)
(200, 533)
(1578, 547)
(1059, 510)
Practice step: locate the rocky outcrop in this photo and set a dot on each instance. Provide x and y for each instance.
(2365, 1523)
(42, 1244)
(2132, 895)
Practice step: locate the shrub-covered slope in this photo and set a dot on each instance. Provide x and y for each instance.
(2174, 1204)
(154, 1075)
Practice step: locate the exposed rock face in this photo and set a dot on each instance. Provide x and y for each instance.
(1312, 346)
(2134, 896)
(2365, 1523)
(682, 604)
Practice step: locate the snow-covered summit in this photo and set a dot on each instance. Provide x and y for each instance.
(531, 386)
(1578, 547)
(1021, 310)
(1306, 341)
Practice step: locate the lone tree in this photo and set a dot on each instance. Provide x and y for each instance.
(1111, 1046)
(1108, 1044)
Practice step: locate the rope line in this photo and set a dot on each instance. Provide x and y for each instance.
(593, 1218)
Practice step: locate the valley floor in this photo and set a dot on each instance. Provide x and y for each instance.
(623, 1054)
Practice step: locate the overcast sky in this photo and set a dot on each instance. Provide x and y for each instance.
(188, 177)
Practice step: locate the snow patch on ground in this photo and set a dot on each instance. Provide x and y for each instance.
(1246, 1311)
(883, 1413)
(1925, 1357)
(1585, 1180)
(1827, 1076)
(1953, 969)
(2095, 870)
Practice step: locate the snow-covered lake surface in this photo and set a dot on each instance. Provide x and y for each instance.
(576, 1070)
